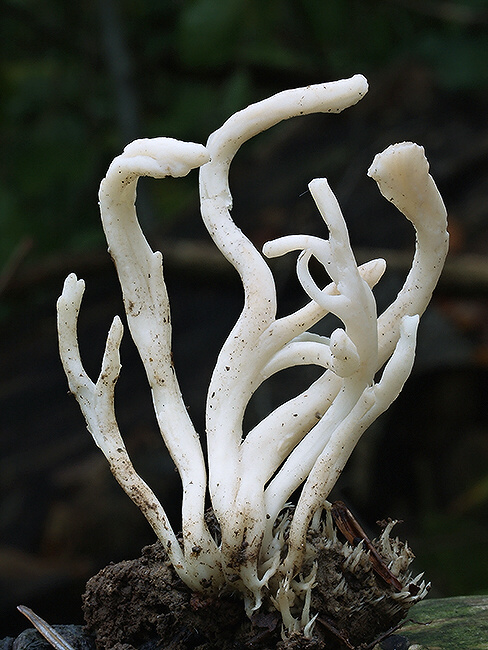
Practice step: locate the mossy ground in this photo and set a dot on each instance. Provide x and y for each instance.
(449, 624)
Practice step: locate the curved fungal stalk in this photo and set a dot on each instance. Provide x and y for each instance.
(261, 547)
(259, 289)
(235, 379)
(147, 309)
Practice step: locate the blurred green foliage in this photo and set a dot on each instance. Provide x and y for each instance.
(80, 80)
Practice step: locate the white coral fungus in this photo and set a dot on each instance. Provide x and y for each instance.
(307, 440)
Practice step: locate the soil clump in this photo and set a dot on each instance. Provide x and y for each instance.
(143, 604)
(136, 603)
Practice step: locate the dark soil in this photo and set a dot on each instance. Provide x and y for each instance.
(136, 601)
(142, 603)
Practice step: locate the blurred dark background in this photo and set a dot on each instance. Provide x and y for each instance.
(78, 81)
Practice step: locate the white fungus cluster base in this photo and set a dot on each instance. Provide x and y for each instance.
(338, 601)
(249, 475)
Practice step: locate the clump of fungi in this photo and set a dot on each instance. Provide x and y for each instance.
(280, 558)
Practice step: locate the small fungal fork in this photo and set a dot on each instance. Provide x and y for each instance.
(306, 441)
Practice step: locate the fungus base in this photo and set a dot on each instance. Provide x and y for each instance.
(142, 603)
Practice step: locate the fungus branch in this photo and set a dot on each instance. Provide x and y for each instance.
(147, 309)
(233, 379)
(307, 439)
(96, 400)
